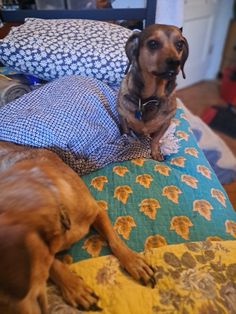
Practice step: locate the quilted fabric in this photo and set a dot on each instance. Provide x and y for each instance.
(49, 49)
(153, 204)
(190, 278)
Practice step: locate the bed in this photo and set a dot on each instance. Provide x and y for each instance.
(175, 213)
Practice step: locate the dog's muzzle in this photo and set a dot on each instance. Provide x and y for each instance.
(168, 75)
(171, 71)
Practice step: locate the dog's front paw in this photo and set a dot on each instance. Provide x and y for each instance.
(79, 295)
(137, 267)
(157, 154)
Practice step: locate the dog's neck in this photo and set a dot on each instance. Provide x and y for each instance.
(145, 89)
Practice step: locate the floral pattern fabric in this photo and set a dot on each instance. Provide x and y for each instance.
(194, 277)
(49, 49)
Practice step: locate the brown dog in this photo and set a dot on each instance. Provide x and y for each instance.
(146, 100)
(44, 208)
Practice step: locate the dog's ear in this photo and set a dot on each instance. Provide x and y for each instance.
(184, 56)
(132, 47)
(14, 262)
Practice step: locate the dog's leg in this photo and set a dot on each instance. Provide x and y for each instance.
(155, 145)
(134, 264)
(156, 136)
(73, 289)
(124, 128)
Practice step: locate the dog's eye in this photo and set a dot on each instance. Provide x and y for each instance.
(153, 44)
(179, 45)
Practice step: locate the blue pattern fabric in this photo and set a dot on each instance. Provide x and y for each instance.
(75, 117)
(50, 49)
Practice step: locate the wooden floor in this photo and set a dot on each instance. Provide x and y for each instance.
(197, 98)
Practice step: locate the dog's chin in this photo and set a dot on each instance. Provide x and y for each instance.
(167, 75)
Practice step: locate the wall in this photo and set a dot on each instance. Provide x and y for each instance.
(170, 12)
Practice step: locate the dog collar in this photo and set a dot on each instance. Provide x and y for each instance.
(142, 104)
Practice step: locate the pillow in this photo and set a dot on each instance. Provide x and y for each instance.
(49, 49)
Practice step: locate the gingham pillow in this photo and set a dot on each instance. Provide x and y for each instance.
(49, 49)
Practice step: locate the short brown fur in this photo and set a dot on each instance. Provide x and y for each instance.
(156, 56)
(44, 208)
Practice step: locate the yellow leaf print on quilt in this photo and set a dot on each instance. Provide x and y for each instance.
(214, 238)
(138, 161)
(122, 193)
(103, 204)
(203, 207)
(182, 135)
(124, 225)
(154, 242)
(181, 225)
(98, 182)
(93, 245)
(144, 179)
(149, 206)
(219, 196)
(191, 151)
(120, 170)
(204, 171)
(231, 227)
(162, 169)
(178, 161)
(189, 180)
(172, 193)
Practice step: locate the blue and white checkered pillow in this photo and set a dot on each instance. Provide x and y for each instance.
(50, 49)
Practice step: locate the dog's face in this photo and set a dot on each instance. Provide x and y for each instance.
(160, 50)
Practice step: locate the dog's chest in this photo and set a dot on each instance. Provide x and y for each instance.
(143, 127)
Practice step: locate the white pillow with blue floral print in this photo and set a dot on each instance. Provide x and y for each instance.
(49, 49)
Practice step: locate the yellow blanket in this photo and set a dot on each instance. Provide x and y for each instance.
(197, 277)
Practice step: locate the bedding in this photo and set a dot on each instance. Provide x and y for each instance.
(215, 149)
(194, 277)
(49, 49)
(76, 117)
(171, 211)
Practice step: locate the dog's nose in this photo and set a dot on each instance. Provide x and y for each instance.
(172, 62)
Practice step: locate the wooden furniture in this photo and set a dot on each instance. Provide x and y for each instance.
(147, 14)
(4, 30)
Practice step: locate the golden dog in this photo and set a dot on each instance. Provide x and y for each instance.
(146, 100)
(44, 208)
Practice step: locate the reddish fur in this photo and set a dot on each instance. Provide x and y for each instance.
(44, 208)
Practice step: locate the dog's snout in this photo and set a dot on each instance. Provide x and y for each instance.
(172, 62)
